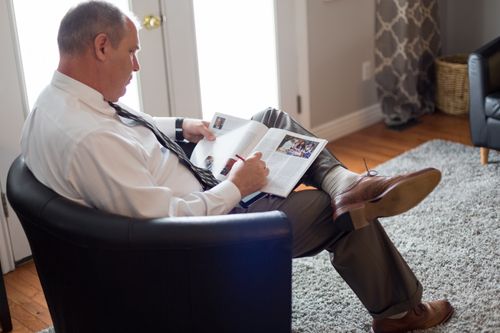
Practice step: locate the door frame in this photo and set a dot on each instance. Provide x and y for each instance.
(181, 57)
(15, 246)
(6, 252)
(155, 95)
(292, 58)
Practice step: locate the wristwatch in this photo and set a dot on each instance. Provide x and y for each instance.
(179, 135)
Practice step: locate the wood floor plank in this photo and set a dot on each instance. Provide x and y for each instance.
(13, 280)
(376, 144)
(31, 322)
(28, 276)
(30, 304)
(18, 327)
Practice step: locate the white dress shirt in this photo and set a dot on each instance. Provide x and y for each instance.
(74, 143)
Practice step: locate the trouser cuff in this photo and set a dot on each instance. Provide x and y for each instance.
(400, 307)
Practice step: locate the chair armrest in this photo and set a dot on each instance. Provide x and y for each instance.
(207, 231)
(477, 88)
(484, 78)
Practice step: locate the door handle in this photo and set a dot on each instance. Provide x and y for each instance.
(151, 22)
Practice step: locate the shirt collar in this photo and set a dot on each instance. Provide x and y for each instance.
(84, 93)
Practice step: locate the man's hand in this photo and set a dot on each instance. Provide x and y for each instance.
(249, 176)
(194, 130)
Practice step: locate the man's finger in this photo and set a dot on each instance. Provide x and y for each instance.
(257, 154)
(206, 132)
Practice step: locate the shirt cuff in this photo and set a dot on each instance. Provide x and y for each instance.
(227, 190)
(166, 125)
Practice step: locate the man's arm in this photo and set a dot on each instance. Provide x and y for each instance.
(112, 173)
(193, 129)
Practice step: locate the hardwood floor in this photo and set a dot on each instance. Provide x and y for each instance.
(376, 144)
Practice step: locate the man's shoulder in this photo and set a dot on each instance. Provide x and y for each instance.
(63, 121)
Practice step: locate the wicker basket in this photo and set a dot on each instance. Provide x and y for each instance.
(452, 84)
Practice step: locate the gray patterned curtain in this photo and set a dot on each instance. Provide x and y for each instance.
(407, 40)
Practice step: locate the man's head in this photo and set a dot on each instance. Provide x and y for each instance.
(98, 45)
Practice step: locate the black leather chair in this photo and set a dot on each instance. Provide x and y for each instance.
(484, 89)
(107, 273)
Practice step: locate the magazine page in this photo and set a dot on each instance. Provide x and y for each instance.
(288, 155)
(233, 136)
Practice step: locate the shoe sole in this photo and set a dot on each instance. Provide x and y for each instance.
(396, 199)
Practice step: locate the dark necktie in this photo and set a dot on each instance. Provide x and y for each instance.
(204, 176)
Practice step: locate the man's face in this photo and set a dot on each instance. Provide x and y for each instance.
(122, 63)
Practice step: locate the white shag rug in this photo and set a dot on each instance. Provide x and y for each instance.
(451, 241)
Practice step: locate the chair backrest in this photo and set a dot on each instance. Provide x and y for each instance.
(107, 273)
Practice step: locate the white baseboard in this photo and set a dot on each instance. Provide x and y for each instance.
(350, 123)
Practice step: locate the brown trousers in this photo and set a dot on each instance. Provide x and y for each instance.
(366, 259)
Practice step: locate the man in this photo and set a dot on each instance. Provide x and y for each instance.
(78, 142)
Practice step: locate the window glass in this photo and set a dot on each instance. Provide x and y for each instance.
(236, 56)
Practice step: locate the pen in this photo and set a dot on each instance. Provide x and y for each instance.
(241, 158)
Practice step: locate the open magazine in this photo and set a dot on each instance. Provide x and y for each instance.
(288, 155)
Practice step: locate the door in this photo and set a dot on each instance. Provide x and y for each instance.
(167, 85)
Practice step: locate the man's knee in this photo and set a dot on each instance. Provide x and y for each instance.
(311, 205)
(268, 115)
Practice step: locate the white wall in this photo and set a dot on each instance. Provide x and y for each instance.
(468, 24)
(341, 37)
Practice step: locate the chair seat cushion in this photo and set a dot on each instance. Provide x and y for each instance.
(492, 105)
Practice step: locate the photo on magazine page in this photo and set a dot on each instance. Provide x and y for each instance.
(295, 146)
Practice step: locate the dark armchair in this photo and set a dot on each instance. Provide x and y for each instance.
(107, 273)
(484, 88)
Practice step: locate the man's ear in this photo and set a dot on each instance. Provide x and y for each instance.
(101, 45)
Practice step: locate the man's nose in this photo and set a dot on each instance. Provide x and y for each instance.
(136, 65)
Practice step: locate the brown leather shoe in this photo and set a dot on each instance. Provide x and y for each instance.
(424, 315)
(373, 196)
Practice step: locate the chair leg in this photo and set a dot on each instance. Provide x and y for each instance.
(484, 155)
(5, 321)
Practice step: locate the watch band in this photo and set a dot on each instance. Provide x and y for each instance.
(179, 135)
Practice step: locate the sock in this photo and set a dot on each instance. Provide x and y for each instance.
(398, 316)
(337, 180)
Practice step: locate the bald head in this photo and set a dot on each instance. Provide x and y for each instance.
(83, 23)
